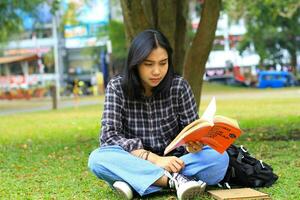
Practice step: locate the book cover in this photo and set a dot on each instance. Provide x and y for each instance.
(216, 131)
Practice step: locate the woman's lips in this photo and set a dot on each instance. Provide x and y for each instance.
(155, 80)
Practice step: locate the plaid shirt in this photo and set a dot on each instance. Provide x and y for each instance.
(150, 123)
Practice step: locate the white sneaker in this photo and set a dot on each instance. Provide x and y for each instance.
(185, 187)
(123, 189)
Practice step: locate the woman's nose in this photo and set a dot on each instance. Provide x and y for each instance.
(156, 70)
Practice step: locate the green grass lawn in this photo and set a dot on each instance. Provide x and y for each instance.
(43, 155)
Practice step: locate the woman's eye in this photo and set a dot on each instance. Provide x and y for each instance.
(148, 64)
(162, 64)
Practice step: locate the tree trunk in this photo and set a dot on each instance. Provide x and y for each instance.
(170, 17)
(293, 61)
(197, 55)
(181, 42)
(135, 19)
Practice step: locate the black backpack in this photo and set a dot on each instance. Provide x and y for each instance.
(246, 171)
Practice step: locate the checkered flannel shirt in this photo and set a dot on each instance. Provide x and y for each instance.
(150, 123)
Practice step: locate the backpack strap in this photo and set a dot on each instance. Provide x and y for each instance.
(225, 182)
(240, 157)
(246, 170)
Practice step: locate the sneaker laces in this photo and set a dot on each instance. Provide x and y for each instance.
(172, 180)
(176, 179)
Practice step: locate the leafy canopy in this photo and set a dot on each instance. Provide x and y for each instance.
(272, 26)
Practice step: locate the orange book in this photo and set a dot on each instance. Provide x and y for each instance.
(219, 132)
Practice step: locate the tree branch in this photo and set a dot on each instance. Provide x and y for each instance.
(201, 46)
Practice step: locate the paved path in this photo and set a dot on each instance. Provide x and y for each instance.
(47, 105)
(22, 106)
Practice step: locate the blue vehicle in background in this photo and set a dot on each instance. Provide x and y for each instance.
(275, 79)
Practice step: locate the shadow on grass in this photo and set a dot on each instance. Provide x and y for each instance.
(272, 134)
(167, 194)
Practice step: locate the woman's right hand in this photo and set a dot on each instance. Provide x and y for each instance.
(170, 163)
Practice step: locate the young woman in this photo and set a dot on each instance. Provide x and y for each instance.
(145, 108)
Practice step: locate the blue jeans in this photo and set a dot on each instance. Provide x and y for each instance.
(112, 163)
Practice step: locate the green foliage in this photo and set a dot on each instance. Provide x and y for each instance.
(118, 39)
(271, 25)
(10, 22)
(44, 155)
(94, 53)
(55, 6)
(116, 33)
(69, 16)
(49, 58)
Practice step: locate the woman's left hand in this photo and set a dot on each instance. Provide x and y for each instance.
(194, 147)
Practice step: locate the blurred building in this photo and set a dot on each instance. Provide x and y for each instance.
(85, 39)
(27, 59)
(225, 62)
(56, 46)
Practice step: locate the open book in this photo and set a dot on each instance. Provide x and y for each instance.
(216, 131)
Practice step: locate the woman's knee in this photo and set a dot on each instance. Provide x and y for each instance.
(222, 163)
(218, 170)
(219, 160)
(95, 160)
(101, 158)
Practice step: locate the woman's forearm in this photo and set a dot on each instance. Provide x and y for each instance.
(169, 163)
(146, 155)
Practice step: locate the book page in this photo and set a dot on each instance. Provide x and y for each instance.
(194, 133)
(216, 131)
(226, 120)
(210, 111)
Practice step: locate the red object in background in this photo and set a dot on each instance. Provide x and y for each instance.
(237, 74)
(17, 80)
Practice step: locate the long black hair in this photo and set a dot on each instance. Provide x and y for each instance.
(140, 48)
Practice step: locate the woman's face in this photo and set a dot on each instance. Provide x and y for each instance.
(153, 69)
